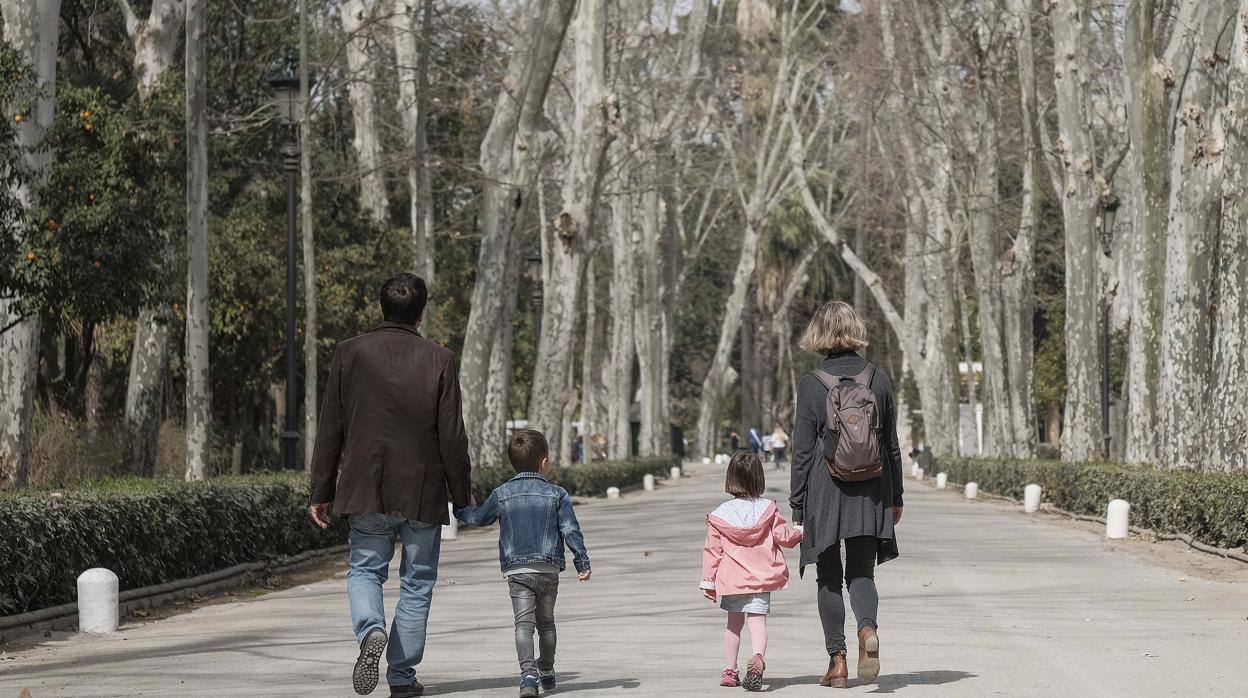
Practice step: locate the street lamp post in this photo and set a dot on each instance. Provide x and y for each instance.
(534, 261)
(1109, 211)
(284, 79)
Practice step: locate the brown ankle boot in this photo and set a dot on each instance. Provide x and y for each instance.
(838, 672)
(868, 655)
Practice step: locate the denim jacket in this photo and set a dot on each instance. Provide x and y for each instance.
(535, 521)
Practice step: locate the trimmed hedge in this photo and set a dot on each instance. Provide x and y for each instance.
(149, 532)
(1210, 507)
(585, 480)
(156, 531)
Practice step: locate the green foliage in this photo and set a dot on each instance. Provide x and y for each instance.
(1210, 507)
(17, 99)
(149, 532)
(584, 480)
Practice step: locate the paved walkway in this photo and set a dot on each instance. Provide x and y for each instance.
(983, 601)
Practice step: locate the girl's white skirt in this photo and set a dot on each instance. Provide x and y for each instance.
(746, 603)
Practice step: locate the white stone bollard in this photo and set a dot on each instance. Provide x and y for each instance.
(972, 490)
(1117, 519)
(451, 530)
(97, 601)
(914, 470)
(675, 473)
(613, 493)
(941, 480)
(647, 482)
(706, 460)
(918, 474)
(1031, 498)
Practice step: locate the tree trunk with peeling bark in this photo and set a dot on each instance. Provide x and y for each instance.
(30, 28)
(508, 166)
(198, 399)
(565, 246)
(1081, 192)
(155, 42)
(592, 365)
(1228, 433)
(413, 39)
(623, 349)
(359, 21)
(1196, 169)
(311, 328)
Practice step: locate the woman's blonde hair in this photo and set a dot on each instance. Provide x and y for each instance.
(834, 327)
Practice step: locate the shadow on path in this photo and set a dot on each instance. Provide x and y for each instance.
(887, 683)
(568, 683)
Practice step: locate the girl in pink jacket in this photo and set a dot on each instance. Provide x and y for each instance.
(742, 564)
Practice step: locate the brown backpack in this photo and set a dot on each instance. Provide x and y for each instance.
(851, 438)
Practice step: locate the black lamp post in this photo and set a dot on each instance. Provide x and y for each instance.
(1109, 211)
(534, 261)
(284, 79)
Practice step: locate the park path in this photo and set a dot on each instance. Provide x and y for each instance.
(983, 601)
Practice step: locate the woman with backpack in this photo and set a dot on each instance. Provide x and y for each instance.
(845, 482)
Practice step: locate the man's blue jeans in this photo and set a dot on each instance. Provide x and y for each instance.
(372, 541)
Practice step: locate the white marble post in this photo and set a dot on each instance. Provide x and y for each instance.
(97, 601)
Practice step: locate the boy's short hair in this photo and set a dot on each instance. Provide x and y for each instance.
(745, 475)
(527, 450)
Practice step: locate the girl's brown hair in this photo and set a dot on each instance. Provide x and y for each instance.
(745, 475)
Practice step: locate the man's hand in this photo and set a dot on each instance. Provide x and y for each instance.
(896, 515)
(584, 576)
(709, 594)
(320, 514)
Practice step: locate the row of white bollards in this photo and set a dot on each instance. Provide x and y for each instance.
(1117, 514)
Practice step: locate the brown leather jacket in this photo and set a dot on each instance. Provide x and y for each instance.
(392, 420)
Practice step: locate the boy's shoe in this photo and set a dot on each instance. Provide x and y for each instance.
(548, 681)
(528, 687)
(364, 677)
(753, 680)
(729, 678)
(411, 690)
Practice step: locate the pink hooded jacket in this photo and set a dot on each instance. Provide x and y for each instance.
(738, 560)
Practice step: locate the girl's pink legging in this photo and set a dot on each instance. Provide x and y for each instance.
(732, 636)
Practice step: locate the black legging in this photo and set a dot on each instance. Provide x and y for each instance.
(858, 574)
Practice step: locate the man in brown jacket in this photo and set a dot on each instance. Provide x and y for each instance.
(392, 422)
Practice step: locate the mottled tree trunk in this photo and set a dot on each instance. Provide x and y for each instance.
(1017, 263)
(198, 322)
(155, 43)
(649, 326)
(592, 364)
(1081, 191)
(623, 350)
(311, 327)
(1196, 169)
(359, 20)
(493, 446)
(1228, 429)
(565, 247)
(508, 169)
(413, 38)
(30, 28)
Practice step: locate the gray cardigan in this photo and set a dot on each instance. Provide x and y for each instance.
(832, 510)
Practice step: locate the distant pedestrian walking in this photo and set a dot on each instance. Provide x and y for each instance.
(536, 521)
(755, 440)
(391, 422)
(779, 442)
(845, 482)
(742, 564)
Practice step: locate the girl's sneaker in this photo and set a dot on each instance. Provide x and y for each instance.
(729, 678)
(754, 674)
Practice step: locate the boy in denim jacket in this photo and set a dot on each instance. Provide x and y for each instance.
(535, 521)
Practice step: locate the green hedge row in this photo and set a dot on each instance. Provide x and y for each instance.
(148, 532)
(584, 480)
(156, 531)
(1210, 507)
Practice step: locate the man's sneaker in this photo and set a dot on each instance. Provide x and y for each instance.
(548, 681)
(754, 674)
(411, 690)
(528, 687)
(730, 678)
(364, 678)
